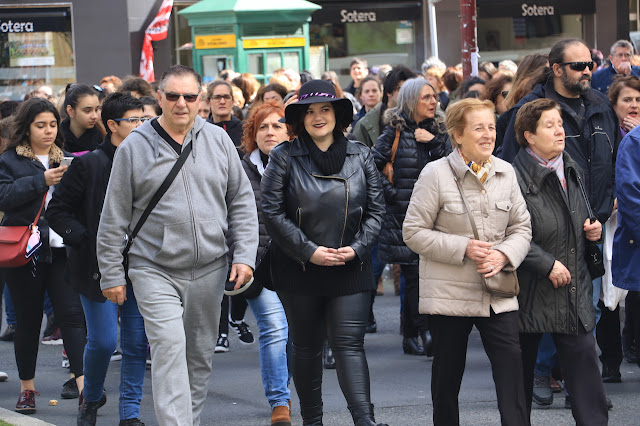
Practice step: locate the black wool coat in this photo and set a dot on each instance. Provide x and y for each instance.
(74, 213)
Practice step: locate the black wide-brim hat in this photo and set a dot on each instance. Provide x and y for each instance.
(314, 92)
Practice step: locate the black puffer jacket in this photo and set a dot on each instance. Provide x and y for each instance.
(304, 209)
(557, 225)
(592, 146)
(74, 213)
(22, 187)
(411, 158)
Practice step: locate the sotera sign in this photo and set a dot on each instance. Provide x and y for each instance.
(16, 27)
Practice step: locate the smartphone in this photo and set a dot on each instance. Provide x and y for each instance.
(66, 161)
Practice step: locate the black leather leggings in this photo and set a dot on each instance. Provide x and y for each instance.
(345, 318)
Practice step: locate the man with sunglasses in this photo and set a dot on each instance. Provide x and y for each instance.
(590, 123)
(592, 133)
(620, 58)
(177, 261)
(74, 213)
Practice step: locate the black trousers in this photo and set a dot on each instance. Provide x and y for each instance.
(413, 322)
(632, 305)
(628, 331)
(499, 333)
(579, 363)
(238, 309)
(609, 337)
(27, 292)
(342, 319)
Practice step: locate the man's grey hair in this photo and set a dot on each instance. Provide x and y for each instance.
(621, 43)
(433, 62)
(179, 71)
(408, 95)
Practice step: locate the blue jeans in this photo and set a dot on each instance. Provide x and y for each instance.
(273, 338)
(547, 356)
(10, 311)
(102, 339)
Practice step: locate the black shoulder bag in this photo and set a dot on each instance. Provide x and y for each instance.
(152, 204)
(593, 254)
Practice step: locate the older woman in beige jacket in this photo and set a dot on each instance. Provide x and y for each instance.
(438, 228)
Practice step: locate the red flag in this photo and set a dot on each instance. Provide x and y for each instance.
(157, 30)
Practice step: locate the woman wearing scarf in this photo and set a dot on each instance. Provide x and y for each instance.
(322, 204)
(452, 259)
(555, 285)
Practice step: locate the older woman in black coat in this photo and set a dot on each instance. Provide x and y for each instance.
(422, 138)
(555, 284)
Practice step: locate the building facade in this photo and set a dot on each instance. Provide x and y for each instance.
(58, 42)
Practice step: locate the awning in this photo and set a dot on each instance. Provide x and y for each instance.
(351, 12)
(532, 9)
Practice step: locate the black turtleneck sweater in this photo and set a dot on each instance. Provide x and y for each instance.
(88, 141)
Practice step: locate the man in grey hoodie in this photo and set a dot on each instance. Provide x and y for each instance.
(177, 263)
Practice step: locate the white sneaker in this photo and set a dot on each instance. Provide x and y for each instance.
(3, 376)
(116, 356)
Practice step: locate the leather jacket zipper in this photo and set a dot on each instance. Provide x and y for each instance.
(299, 219)
(346, 210)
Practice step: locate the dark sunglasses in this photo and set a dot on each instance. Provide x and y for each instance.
(504, 93)
(580, 66)
(188, 97)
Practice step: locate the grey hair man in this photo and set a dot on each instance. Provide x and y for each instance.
(177, 262)
(620, 58)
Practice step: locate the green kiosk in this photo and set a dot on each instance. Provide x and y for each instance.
(254, 36)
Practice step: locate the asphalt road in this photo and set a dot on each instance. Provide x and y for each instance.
(399, 385)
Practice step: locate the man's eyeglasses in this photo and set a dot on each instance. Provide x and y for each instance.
(188, 97)
(504, 93)
(580, 66)
(626, 55)
(218, 98)
(132, 120)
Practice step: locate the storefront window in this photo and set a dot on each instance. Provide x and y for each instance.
(526, 33)
(37, 50)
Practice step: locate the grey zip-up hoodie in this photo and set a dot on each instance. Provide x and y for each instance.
(185, 235)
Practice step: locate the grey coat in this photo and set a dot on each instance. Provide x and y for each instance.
(557, 225)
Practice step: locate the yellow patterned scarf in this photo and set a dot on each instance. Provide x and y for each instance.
(481, 171)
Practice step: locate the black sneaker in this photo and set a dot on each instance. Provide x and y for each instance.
(70, 389)
(610, 374)
(244, 334)
(9, 333)
(131, 422)
(222, 344)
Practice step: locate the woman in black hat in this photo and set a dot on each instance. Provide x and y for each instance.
(323, 207)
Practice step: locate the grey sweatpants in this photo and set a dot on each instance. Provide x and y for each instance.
(181, 320)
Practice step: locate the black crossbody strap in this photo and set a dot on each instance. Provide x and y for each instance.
(466, 205)
(592, 217)
(158, 195)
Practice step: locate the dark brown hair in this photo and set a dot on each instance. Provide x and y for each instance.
(494, 87)
(532, 70)
(343, 119)
(24, 116)
(619, 83)
(529, 115)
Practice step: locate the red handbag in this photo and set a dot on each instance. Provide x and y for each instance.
(13, 243)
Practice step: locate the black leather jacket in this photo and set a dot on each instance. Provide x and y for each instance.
(304, 209)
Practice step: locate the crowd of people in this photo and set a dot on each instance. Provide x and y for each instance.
(167, 210)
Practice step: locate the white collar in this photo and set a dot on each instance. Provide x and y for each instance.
(255, 159)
